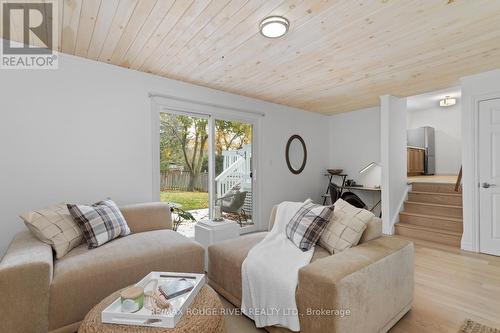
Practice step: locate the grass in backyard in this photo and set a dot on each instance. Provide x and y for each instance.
(188, 200)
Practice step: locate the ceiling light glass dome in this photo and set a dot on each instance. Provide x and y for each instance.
(274, 26)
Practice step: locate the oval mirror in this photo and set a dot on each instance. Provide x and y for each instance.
(296, 154)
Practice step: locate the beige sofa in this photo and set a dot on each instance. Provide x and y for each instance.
(40, 294)
(373, 280)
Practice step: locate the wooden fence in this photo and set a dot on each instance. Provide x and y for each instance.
(179, 181)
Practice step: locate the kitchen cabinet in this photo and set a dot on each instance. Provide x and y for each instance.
(416, 160)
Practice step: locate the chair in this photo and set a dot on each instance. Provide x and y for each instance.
(353, 199)
(335, 192)
(233, 203)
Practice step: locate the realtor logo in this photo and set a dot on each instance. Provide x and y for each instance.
(30, 34)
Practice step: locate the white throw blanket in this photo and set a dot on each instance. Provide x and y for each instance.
(270, 275)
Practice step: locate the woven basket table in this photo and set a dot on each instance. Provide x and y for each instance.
(207, 316)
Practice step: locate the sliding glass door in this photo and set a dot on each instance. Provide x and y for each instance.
(206, 168)
(184, 168)
(233, 171)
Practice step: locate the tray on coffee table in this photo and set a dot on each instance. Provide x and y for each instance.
(144, 317)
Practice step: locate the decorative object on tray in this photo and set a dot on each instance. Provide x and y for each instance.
(154, 299)
(158, 300)
(132, 299)
(149, 291)
(173, 288)
(159, 304)
(335, 172)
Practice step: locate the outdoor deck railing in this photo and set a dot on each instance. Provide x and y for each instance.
(237, 168)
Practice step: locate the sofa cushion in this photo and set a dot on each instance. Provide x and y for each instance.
(373, 230)
(54, 226)
(345, 228)
(84, 277)
(225, 260)
(147, 216)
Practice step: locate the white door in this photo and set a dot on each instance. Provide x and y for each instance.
(489, 176)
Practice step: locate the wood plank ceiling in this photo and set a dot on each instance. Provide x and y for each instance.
(338, 56)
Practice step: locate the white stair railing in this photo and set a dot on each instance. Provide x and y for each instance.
(233, 175)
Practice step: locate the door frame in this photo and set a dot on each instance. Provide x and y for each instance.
(470, 164)
(165, 103)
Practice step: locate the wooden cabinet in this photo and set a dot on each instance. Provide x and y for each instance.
(416, 158)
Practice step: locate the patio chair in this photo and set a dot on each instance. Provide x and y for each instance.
(233, 203)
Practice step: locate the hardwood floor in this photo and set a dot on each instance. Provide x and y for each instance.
(450, 286)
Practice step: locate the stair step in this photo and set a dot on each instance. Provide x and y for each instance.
(434, 187)
(429, 234)
(433, 209)
(436, 222)
(454, 199)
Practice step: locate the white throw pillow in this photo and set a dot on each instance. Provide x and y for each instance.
(346, 227)
(54, 226)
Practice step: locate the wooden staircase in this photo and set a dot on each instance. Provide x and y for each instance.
(433, 212)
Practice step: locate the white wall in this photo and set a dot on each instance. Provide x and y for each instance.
(393, 159)
(474, 88)
(448, 133)
(354, 143)
(83, 133)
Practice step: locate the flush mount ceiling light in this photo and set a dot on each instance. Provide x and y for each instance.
(448, 101)
(274, 26)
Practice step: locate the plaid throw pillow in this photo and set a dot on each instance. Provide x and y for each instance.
(100, 222)
(305, 228)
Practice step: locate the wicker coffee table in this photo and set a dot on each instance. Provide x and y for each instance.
(207, 317)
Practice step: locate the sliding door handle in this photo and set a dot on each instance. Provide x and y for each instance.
(487, 185)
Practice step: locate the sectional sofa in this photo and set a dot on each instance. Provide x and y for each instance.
(42, 294)
(373, 281)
